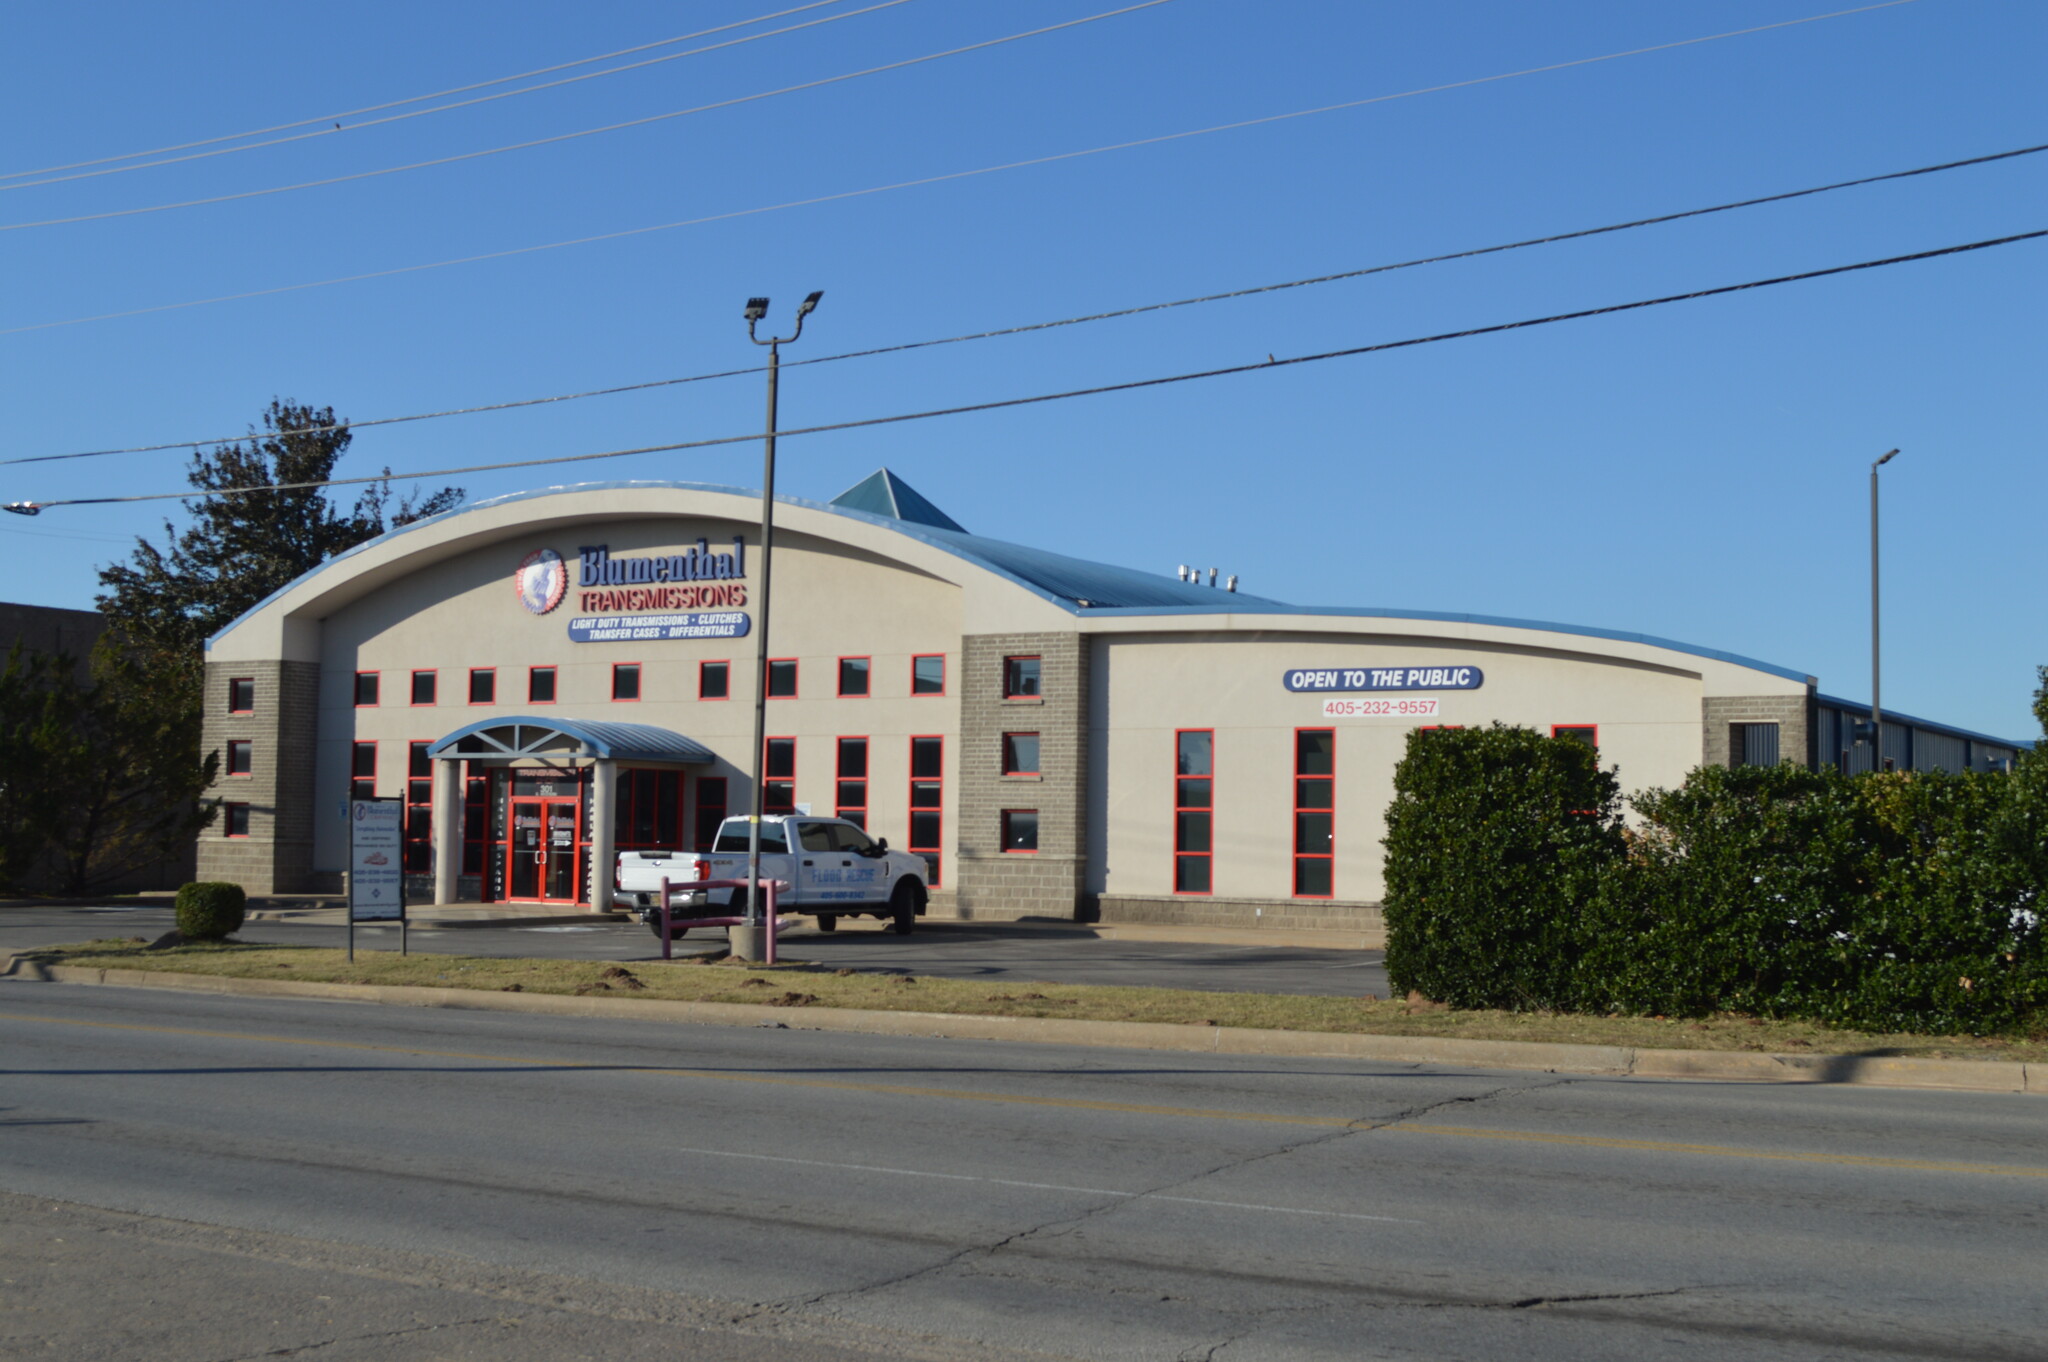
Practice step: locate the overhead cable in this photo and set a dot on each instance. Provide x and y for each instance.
(459, 104)
(592, 132)
(1132, 385)
(862, 193)
(415, 99)
(1029, 327)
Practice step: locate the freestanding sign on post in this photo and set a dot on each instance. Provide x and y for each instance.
(376, 871)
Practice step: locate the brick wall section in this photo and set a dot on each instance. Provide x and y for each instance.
(277, 855)
(988, 883)
(1791, 713)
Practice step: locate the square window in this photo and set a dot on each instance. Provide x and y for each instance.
(483, 685)
(853, 678)
(714, 680)
(928, 674)
(1020, 754)
(1020, 677)
(1588, 734)
(1020, 830)
(242, 695)
(782, 679)
(241, 756)
(235, 819)
(366, 689)
(540, 686)
(424, 685)
(625, 680)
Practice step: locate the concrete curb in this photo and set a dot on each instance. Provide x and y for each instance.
(1954, 1075)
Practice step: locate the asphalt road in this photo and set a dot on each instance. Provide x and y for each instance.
(356, 1181)
(954, 950)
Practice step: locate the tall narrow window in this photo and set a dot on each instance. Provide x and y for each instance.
(853, 677)
(540, 686)
(710, 811)
(1021, 677)
(241, 757)
(1020, 754)
(242, 695)
(418, 853)
(366, 690)
(850, 796)
(1194, 796)
(928, 674)
(778, 776)
(1315, 812)
(483, 685)
(782, 678)
(928, 802)
(362, 772)
(625, 680)
(714, 680)
(424, 684)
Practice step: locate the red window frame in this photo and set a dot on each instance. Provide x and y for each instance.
(230, 814)
(850, 790)
(711, 805)
(867, 679)
(1012, 766)
(724, 680)
(1315, 784)
(361, 786)
(618, 670)
(237, 681)
(1185, 859)
(1573, 730)
(416, 845)
(773, 784)
(791, 693)
(433, 688)
(931, 847)
(488, 675)
(376, 689)
(1008, 816)
(1010, 692)
(533, 674)
(246, 749)
(916, 658)
(643, 796)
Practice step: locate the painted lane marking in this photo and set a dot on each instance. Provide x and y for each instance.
(1085, 1104)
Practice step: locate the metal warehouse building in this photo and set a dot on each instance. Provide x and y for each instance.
(551, 677)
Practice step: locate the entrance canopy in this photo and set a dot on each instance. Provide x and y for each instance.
(524, 737)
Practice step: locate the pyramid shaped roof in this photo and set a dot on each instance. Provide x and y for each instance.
(883, 493)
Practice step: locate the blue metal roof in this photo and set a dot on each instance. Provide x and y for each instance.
(506, 737)
(883, 493)
(1892, 716)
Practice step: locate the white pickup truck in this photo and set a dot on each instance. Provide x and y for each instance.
(837, 870)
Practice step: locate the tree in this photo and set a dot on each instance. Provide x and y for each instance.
(2041, 702)
(241, 548)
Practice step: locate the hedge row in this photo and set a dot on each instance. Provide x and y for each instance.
(1905, 902)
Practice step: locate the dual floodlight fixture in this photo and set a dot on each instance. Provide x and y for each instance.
(757, 309)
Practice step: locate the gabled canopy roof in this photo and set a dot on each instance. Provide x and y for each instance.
(522, 736)
(883, 493)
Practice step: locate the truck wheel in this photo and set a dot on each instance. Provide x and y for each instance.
(828, 922)
(903, 906)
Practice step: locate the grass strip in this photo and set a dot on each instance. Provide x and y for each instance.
(797, 984)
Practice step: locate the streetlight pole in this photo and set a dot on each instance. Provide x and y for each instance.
(757, 308)
(1876, 712)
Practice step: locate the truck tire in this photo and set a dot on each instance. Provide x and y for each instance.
(828, 922)
(903, 905)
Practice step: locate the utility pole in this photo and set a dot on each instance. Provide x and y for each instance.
(1876, 712)
(757, 308)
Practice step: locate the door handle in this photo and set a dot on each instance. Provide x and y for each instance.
(808, 863)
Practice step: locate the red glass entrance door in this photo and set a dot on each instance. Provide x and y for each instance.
(541, 855)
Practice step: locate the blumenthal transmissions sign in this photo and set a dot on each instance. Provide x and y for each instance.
(697, 593)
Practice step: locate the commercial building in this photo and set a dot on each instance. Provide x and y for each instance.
(550, 677)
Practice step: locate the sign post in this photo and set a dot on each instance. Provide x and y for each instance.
(376, 878)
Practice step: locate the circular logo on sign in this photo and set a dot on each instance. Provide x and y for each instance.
(541, 581)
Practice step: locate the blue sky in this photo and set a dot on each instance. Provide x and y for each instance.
(1697, 472)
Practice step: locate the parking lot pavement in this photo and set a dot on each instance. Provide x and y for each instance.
(953, 950)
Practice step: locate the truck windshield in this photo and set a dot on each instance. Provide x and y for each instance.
(732, 837)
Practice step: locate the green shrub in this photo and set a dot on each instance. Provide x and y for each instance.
(210, 909)
(1497, 840)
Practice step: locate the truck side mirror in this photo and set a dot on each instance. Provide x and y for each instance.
(881, 844)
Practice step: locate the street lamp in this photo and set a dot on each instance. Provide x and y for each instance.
(1876, 713)
(757, 308)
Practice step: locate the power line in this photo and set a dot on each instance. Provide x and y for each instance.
(885, 188)
(459, 104)
(1083, 319)
(1132, 385)
(416, 99)
(592, 132)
